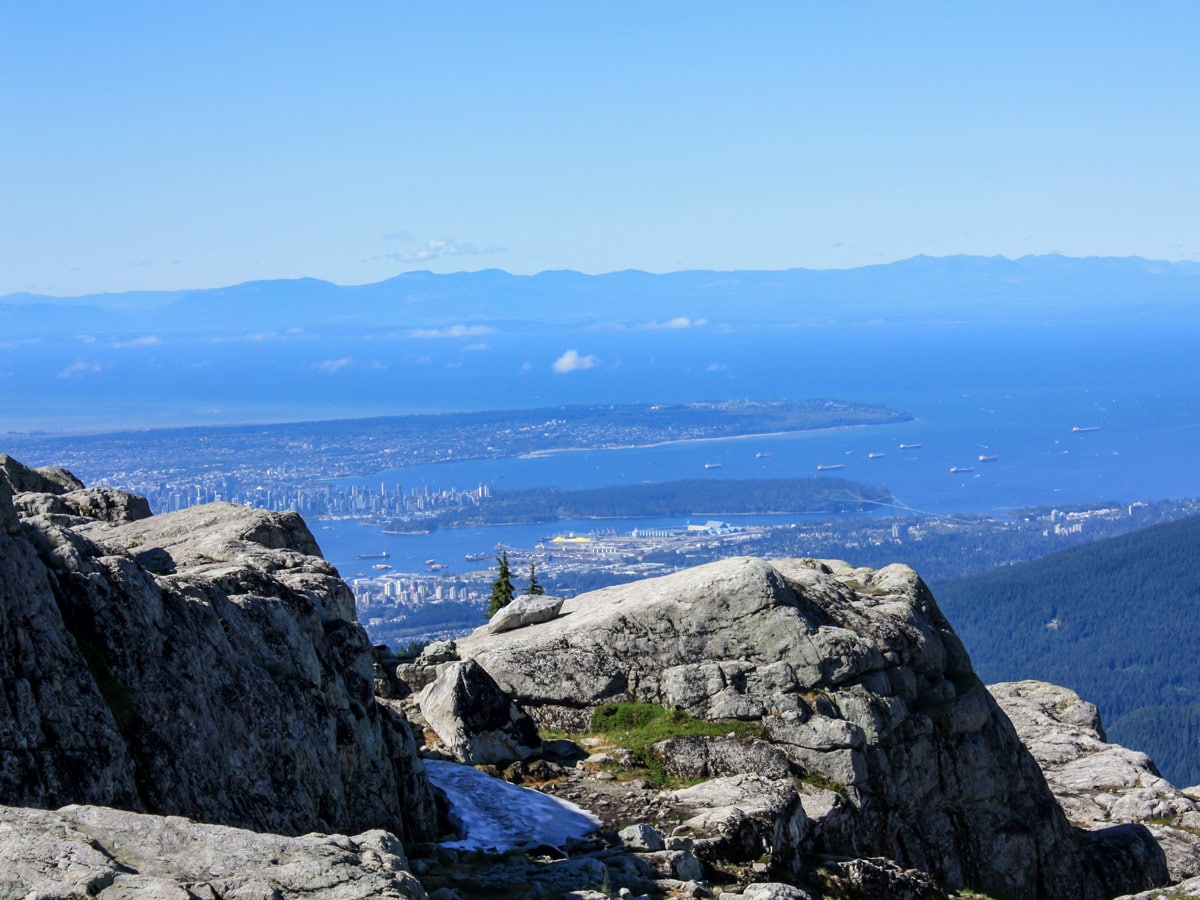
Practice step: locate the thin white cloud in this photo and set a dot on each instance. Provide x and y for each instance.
(716, 367)
(477, 347)
(255, 337)
(439, 247)
(149, 340)
(571, 361)
(79, 368)
(332, 366)
(453, 331)
(677, 323)
(400, 235)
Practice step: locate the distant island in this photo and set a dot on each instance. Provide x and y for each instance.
(693, 497)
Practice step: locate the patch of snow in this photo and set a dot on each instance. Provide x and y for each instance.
(495, 815)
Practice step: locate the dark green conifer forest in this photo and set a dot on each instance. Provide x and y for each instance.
(1117, 621)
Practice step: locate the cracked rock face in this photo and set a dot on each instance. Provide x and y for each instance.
(859, 682)
(98, 852)
(1097, 784)
(204, 663)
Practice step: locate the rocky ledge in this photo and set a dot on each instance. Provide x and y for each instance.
(87, 851)
(204, 663)
(872, 716)
(206, 666)
(1097, 784)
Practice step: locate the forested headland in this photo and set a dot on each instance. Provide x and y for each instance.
(692, 497)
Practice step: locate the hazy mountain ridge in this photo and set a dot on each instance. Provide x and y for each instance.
(922, 285)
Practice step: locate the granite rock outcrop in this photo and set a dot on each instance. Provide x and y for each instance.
(860, 683)
(1101, 785)
(90, 851)
(475, 721)
(205, 663)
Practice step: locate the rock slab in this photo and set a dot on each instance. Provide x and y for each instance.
(475, 720)
(88, 851)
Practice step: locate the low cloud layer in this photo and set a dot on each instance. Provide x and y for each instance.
(677, 322)
(333, 366)
(439, 247)
(79, 368)
(149, 340)
(453, 331)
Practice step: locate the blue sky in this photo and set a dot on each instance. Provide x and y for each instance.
(172, 145)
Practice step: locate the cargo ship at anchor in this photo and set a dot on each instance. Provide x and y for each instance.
(383, 555)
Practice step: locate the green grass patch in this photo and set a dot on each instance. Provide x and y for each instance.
(638, 725)
(817, 780)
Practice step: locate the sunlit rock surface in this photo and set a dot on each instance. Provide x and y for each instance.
(860, 683)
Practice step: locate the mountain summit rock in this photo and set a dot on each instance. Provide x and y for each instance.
(187, 696)
(205, 663)
(861, 684)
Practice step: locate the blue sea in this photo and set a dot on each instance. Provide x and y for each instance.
(1014, 390)
(1131, 445)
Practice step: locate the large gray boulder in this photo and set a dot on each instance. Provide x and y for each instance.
(528, 609)
(111, 505)
(236, 690)
(857, 679)
(743, 817)
(88, 851)
(475, 720)
(1097, 784)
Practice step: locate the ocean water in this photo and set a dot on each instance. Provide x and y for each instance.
(1009, 390)
(1145, 446)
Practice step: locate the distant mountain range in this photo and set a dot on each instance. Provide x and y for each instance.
(1115, 621)
(1034, 287)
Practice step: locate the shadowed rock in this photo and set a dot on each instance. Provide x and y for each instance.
(205, 663)
(475, 720)
(1097, 784)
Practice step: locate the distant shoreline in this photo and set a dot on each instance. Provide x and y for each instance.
(538, 454)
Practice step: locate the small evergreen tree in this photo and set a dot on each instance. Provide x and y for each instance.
(534, 586)
(502, 589)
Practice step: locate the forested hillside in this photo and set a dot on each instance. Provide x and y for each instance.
(693, 497)
(1116, 620)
